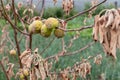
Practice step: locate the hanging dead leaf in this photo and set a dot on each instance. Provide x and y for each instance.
(37, 73)
(55, 1)
(36, 51)
(32, 74)
(113, 43)
(19, 5)
(47, 68)
(64, 75)
(42, 70)
(96, 28)
(110, 17)
(9, 70)
(5, 60)
(24, 53)
(98, 59)
(109, 25)
(56, 58)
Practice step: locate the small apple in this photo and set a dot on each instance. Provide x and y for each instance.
(21, 76)
(59, 33)
(35, 27)
(52, 23)
(45, 32)
(12, 52)
(25, 72)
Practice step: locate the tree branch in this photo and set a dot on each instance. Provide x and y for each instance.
(47, 46)
(14, 11)
(80, 13)
(71, 53)
(78, 29)
(4, 70)
(42, 10)
(15, 34)
(9, 39)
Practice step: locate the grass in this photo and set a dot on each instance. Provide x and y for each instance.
(108, 67)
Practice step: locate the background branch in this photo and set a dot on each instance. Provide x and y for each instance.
(4, 70)
(47, 46)
(80, 13)
(71, 53)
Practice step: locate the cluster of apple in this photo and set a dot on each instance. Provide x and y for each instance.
(46, 27)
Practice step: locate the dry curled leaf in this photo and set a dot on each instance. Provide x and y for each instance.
(37, 73)
(8, 7)
(3, 39)
(9, 70)
(36, 51)
(24, 53)
(96, 28)
(40, 66)
(102, 76)
(42, 70)
(53, 77)
(74, 76)
(55, 1)
(29, 61)
(67, 6)
(98, 59)
(20, 4)
(93, 3)
(56, 58)
(5, 60)
(26, 58)
(32, 74)
(108, 30)
(84, 69)
(64, 75)
(110, 17)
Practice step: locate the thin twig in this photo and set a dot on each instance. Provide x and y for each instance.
(4, 70)
(80, 13)
(14, 12)
(47, 46)
(80, 50)
(76, 36)
(8, 19)
(9, 39)
(30, 41)
(22, 21)
(17, 46)
(15, 34)
(78, 29)
(20, 39)
(42, 10)
(71, 53)
(38, 3)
